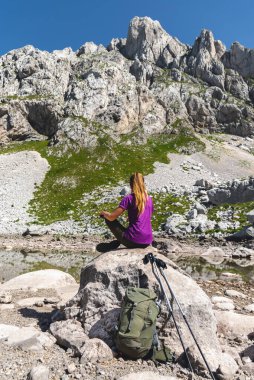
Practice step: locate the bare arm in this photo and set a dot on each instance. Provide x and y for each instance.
(112, 215)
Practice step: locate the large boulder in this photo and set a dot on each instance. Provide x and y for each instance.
(103, 284)
(41, 279)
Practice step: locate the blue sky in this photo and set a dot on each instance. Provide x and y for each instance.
(55, 24)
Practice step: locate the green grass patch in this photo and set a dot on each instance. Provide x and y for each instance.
(75, 173)
(239, 213)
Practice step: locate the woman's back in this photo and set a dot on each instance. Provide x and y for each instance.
(140, 228)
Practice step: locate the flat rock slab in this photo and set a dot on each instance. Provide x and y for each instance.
(233, 323)
(32, 301)
(27, 338)
(41, 279)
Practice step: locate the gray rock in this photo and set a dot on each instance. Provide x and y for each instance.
(148, 41)
(249, 308)
(250, 216)
(39, 372)
(103, 285)
(240, 59)
(5, 297)
(234, 293)
(227, 368)
(69, 334)
(95, 350)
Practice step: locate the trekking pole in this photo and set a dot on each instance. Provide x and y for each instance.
(162, 265)
(150, 258)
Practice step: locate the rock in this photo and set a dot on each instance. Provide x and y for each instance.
(223, 303)
(39, 372)
(27, 338)
(247, 233)
(69, 334)
(240, 59)
(249, 352)
(249, 308)
(234, 192)
(95, 350)
(203, 61)
(234, 293)
(42, 279)
(125, 190)
(102, 287)
(214, 252)
(192, 214)
(71, 368)
(5, 298)
(148, 41)
(227, 368)
(250, 216)
(200, 208)
(30, 301)
(233, 324)
(204, 183)
(147, 375)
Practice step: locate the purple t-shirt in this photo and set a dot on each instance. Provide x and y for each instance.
(140, 228)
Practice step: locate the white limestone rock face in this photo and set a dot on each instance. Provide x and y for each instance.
(148, 41)
(204, 62)
(240, 59)
(102, 287)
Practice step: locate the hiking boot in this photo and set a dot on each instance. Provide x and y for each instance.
(106, 247)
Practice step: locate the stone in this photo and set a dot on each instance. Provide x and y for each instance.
(234, 293)
(214, 252)
(233, 324)
(223, 303)
(5, 298)
(69, 334)
(148, 41)
(27, 338)
(32, 301)
(250, 216)
(71, 368)
(39, 372)
(227, 368)
(249, 352)
(146, 375)
(42, 279)
(95, 351)
(102, 287)
(249, 308)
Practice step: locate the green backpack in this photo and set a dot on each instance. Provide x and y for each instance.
(137, 323)
(136, 333)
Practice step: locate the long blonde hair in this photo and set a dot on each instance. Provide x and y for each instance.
(137, 185)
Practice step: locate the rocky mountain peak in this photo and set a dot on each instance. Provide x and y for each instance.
(148, 41)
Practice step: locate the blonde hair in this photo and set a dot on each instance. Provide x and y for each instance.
(137, 185)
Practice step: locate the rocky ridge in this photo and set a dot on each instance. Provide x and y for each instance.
(149, 82)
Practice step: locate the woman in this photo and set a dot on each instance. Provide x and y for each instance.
(140, 208)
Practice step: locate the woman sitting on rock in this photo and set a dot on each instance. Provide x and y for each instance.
(140, 208)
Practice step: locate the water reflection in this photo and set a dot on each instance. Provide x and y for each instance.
(211, 268)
